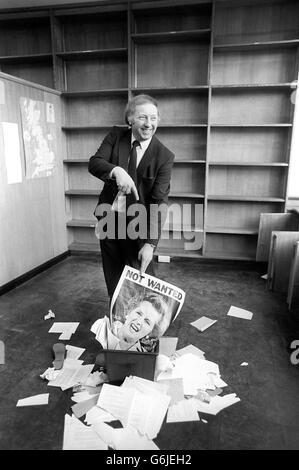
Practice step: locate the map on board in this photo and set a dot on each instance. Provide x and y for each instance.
(38, 139)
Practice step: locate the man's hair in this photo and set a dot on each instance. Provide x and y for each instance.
(136, 101)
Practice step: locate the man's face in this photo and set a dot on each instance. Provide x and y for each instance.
(144, 121)
(140, 322)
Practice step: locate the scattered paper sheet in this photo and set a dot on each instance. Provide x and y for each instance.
(156, 412)
(167, 345)
(144, 385)
(77, 436)
(93, 390)
(105, 432)
(49, 315)
(41, 399)
(175, 389)
(163, 364)
(72, 363)
(216, 404)
(65, 328)
(12, 154)
(142, 411)
(191, 365)
(50, 374)
(239, 313)
(204, 396)
(70, 376)
(130, 439)
(190, 349)
(116, 400)
(218, 382)
(184, 410)
(244, 364)
(203, 323)
(80, 396)
(81, 408)
(96, 378)
(197, 374)
(98, 415)
(215, 392)
(73, 352)
(163, 259)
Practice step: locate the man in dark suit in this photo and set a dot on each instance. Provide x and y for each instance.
(133, 164)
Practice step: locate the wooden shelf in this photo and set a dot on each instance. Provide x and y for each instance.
(91, 223)
(186, 195)
(85, 247)
(232, 231)
(82, 94)
(152, 6)
(195, 162)
(15, 59)
(164, 125)
(87, 128)
(93, 54)
(255, 86)
(82, 192)
(187, 162)
(256, 45)
(252, 125)
(179, 228)
(262, 164)
(228, 256)
(177, 253)
(171, 36)
(170, 90)
(75, 160)
(245, 198)
(82, 223)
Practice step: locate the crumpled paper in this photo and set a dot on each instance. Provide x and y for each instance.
(49, 315)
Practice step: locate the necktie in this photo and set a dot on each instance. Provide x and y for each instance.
(132, 166)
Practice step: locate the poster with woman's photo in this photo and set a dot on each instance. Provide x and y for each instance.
(141, 311)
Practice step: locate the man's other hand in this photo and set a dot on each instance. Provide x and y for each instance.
(145, 256)
(124, 181)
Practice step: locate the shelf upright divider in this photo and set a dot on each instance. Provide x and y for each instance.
(210, 69)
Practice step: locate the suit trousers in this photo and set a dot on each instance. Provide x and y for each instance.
(118, 252)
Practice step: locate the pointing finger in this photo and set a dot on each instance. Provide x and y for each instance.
(135, 192)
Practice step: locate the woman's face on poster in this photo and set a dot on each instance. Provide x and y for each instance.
(140, 322)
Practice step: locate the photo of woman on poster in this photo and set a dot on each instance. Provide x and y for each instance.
(139, 313)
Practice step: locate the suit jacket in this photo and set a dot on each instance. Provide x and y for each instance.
(153, 173)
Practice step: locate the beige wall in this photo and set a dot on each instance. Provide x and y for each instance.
(32, 213)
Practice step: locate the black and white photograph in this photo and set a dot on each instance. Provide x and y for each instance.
(149, 228)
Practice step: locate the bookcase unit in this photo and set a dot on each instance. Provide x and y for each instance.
(223, 72)
(25, 47)
(254, 62)
(171, 47)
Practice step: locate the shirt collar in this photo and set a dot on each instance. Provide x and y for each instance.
(143, 144)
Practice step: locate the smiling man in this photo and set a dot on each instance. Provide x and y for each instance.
(134, 163)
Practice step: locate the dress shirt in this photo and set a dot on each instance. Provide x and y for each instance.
(140, 149)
